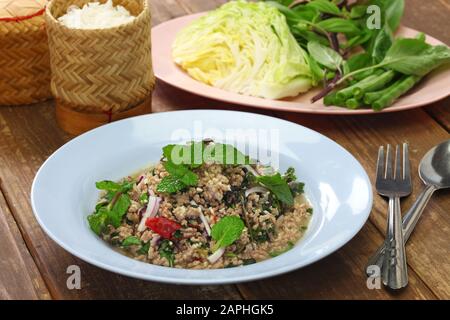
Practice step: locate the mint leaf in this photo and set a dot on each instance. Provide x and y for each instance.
(131, 240)
(107, 185)
(170, 184)
(118, 210)
(226, 231)
(278, 186)
(97, 220)
(113, 187)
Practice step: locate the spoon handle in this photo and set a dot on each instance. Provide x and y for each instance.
(409, 222)
(413, 214)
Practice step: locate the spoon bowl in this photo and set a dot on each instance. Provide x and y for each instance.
(434, 168)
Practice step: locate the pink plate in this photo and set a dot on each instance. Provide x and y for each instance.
(432, 88)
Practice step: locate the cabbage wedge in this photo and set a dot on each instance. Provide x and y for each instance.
(245, 48)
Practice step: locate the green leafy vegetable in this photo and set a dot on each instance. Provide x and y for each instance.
(170, 184)
(325, 55)
(325, 6)
(97, 221)
(131, 240)
(226, 231)
(119, 209)
(339, 25)
(278, 186)
(244, 47)
(415, 57)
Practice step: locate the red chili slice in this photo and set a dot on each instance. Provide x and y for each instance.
(163, 226)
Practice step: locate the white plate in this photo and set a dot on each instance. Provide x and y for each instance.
(63, 192)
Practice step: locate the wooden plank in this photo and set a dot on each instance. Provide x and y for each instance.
(440, 112)
(362, 135)
(19, 276)
(339, 276)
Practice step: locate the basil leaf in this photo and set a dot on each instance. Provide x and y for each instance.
(317, 72)
(324, 6)
(278, 186)
(339, 25)
(325, 55)
(381, 43)
(356, 62)
(226, 231)
(131, 240)
(415, 57)
(358, 11)
(394, 11)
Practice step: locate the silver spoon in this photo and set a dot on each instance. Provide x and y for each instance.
(434, 170)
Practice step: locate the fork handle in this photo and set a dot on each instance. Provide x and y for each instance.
(395, 272)
(409, 223)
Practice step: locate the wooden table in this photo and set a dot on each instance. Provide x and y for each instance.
(34, 267)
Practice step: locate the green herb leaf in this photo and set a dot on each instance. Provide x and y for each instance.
(166, 251)
(143, 198)
(278, 186)
(119, 209)
(356, 62)
(170, 184)
(325, 55)
(381, 43)
(339, 25)
(226, 231)
(131, 240)
(290, 176)
(107, 185)
(358, 11)
(324, 6)
(415, 57)
(144, 249)
(97, 220)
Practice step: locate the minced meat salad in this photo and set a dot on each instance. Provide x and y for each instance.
(200, 208)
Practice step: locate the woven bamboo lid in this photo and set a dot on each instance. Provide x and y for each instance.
(20, 9)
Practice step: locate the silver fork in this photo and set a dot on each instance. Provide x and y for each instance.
(394, 183)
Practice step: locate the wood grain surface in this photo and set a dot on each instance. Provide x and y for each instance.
(34, 267)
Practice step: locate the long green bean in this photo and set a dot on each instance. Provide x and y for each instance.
(347, 93)
(396, 91)
(371, 97)
(374, 84)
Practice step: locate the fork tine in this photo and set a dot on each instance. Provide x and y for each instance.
(380, 164)
(406, 164)
(398, 164)
(389, 169)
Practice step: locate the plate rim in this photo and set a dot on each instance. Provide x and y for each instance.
(197, 281)
(338, 111)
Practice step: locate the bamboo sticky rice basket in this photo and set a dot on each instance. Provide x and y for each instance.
(24, 57)
(100, 75)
